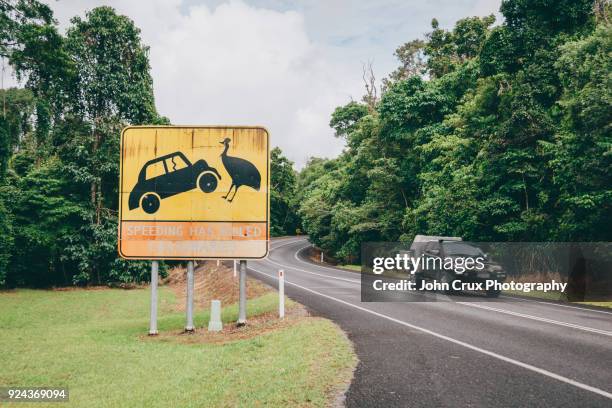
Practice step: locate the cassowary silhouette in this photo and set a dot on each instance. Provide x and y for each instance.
(242, 172)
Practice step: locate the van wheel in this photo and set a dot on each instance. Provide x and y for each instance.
(418, 281)
(493, 293)
(150, 203)
(207, 182)
(446, 277)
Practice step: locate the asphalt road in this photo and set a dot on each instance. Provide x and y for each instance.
(499, 353)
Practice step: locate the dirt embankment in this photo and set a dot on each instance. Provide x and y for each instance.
(217, 282)
(211, 282)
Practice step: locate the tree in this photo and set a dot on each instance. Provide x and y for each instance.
(345, 118)
(503, 134)
(34, 48)
(6, 232)
(112, 87)
(412, 60)
(284, 219)
(63, 171)
(15, 122)
(446, 50)
(47, 211)
(580, 156)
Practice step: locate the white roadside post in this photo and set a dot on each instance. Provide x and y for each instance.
(281, 293)
(234, 268)
(321, 256)
(242, 302)
(189, 323)
(218, 262)
(215, 323)
(154, 278)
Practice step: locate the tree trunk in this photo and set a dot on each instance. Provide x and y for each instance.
(95, 188)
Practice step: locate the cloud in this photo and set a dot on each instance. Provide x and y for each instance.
(237, 64)
(284, 64)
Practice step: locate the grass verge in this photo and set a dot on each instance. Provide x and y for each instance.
(538, 294)
(92, 342)
(355, 268)
(600, 304)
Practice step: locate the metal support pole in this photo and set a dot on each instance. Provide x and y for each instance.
(281, 293)
(189, 324)
(242, 304)
(154, 278)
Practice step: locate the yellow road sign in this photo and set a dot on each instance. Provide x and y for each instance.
(194, 192)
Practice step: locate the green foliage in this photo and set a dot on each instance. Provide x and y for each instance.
(62, 135)
(6, 232)
(486, 133)
(283, 208)
(446, 50)
(112, 69)
(581, 153)
(17, 107)
(344, 118)
(490, 133)
(412, 61)
(547, 16)
(46, 214)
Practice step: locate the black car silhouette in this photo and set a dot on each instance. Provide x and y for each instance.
(169, 175)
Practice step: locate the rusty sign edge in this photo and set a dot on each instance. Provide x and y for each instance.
(126, 128)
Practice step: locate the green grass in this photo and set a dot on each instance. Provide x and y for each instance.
(356, 268)
(600, 304)
(554, 296)
(93, 342)
(537, 294)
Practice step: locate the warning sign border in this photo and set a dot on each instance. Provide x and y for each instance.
(120, 220)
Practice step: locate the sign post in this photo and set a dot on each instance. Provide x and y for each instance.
(194, 192)
(154, 277)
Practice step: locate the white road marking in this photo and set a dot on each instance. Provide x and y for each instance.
(297, 258)
(455, 341)
(584, 309)
(504, 311)
(284, 243)
(356, 281)
(541, 319)
(503, 296)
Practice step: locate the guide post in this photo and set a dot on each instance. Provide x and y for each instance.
(154, 276)
(281, 293)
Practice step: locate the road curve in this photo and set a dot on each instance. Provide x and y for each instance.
(454, 354)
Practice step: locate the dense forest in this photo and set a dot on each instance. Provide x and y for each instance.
(491, 131)
(59, 145)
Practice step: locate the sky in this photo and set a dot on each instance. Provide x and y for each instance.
(283, 64)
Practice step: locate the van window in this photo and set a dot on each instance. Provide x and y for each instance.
(430, 246)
